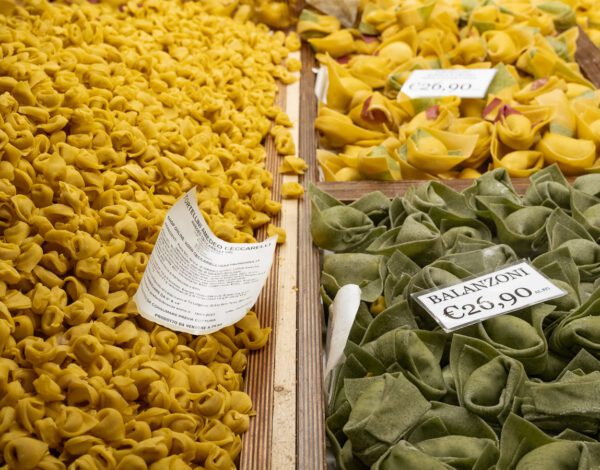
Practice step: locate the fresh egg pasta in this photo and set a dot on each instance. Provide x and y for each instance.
(108, 116)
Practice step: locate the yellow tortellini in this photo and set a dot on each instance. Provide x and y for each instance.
(292, 190)
(273, 230)
(538, 105)
(107, 116)
(293, 165)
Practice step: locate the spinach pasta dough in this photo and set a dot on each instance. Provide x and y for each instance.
(107, 117)
(514, 391)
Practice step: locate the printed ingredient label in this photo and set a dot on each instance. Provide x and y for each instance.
(474, 300)
(464, 83)
(195, 282)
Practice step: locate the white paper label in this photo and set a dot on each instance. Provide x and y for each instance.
(195, 282)
(321, 84)
(465, 83)
(342, 312)
(506, 290)
(341, 317)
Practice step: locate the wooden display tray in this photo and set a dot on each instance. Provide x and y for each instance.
(310, 398)
(285, 378)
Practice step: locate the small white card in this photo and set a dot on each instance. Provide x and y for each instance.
(321, 84)
(342, 313)
(474, 300)
(341, 317)
(196, 282)
(464, 83)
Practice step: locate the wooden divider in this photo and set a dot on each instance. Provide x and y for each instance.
(311, 411)
(283, 445)
(588, 58)
(270, 443)
(349, 193)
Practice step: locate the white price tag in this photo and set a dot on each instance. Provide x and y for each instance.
(341, 317)
(342, 313)
(464, 83)
(195, 282)
(321, 84)
(471, 301)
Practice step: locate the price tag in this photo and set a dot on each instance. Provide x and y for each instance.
(341, 318)
(321, 84)
(471, 301)
(465, 83)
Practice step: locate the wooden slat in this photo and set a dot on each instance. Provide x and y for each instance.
(283, 445)
(348, 192)
(588, 57)
(259, 372)
(271, 372)
(310, 409)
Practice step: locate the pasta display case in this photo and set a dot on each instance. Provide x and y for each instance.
(392, 174)
(295, 131)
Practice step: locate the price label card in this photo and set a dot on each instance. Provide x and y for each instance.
(195, 282)
(479, 298)
(321, 84)
(464, 83)
(341, 317)
(342, 313)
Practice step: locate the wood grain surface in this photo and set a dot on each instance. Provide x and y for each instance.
(256, 442)
(588, 58)
(283, 445)
(311, 411)
(351, 192)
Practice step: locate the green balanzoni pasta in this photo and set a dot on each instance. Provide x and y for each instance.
(512, 392)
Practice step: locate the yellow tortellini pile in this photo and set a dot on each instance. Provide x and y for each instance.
(539, 109)
(107, 117)
(108, 391)
(274, 13)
